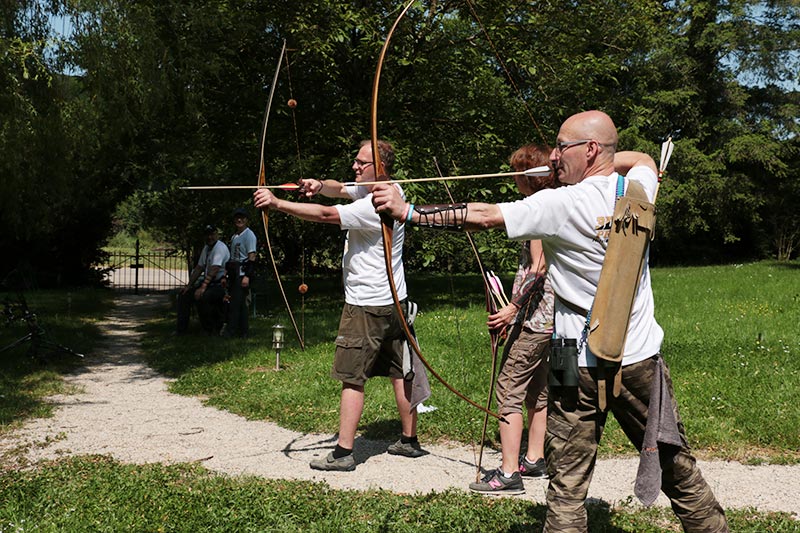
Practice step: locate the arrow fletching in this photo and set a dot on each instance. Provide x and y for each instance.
(666, 153)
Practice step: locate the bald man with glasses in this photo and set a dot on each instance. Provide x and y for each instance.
(573, 224)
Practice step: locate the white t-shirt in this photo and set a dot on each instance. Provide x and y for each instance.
(242, 244)
(218, 255)
(356, 192)
(574, 223)
(363, 265)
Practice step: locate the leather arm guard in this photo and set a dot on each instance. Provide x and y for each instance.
(442, 216)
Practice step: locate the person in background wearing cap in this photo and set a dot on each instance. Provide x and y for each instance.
(240, 273)
(209, 291)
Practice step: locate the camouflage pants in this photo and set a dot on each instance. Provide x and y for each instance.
(574, 429)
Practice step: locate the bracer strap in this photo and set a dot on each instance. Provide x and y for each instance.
(442, 216)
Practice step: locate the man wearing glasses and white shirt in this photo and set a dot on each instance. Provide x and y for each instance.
(371, 340)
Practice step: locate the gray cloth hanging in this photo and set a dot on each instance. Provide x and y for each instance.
(413, 369)
(662, 438)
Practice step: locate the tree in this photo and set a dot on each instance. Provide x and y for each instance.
(164, 93)
(730, 135)
(51, 224)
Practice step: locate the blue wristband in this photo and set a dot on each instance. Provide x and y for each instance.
(410, 212)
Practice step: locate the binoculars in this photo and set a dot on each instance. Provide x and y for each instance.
(563, 363)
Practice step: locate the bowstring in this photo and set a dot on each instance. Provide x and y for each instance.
(507, 72)
(494, 337)
(302, 222)
(265, 214)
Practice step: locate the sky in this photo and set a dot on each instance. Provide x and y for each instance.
(63, 27)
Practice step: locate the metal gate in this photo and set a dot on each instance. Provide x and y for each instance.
(154, 271)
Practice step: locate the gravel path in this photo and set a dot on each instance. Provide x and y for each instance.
(123, 409)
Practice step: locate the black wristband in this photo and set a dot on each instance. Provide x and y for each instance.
(248, 268)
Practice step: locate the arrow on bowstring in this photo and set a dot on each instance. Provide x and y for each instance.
(284, 186)
(531, 172)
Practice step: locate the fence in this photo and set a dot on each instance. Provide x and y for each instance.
(154, 271)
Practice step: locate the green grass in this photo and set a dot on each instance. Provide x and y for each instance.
(122, 242)
(68, 318)
(732, 343)
(99, 494)
(731, 340)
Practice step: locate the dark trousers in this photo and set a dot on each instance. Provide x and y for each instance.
(574, 428)
(209, 309)
(238, 322)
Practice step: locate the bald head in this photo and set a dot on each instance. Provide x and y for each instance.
(592, 125)
(586, 145)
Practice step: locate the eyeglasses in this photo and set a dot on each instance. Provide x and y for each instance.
(563, 145)
(361, 164)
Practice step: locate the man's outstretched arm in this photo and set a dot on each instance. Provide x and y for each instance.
(469, 217)
(264, 199)
(329, 188)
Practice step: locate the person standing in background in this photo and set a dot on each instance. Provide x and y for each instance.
(240, 275)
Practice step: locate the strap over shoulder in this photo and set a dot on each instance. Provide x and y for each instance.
(632, 229)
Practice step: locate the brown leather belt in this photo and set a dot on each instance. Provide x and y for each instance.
(572, 307)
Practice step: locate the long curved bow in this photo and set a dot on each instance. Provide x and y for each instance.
(387, 224)
(495, 335)
(262, 181)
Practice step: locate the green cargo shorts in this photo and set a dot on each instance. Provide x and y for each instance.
(523, 375)
(370, 343)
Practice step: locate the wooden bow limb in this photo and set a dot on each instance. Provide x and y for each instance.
(262, 179)
(387, 223)
(494, 335)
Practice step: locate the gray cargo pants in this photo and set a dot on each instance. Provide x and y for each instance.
(574, 428)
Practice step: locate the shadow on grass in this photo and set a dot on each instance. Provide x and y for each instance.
(174, 356)
(104, 494)
(15, 403)
(787, 265)
(599, 516)
(27, 375)
(458, 290)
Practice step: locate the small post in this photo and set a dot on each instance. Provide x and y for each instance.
(136, 267)
(277, 343)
